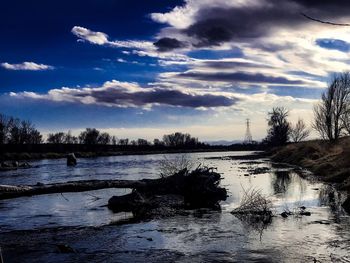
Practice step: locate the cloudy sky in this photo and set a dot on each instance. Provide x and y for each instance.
(144, 68)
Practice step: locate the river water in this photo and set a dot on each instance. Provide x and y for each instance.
(31, 228)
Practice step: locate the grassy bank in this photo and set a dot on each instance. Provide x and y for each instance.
(329, 162)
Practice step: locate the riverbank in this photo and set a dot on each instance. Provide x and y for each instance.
(329, 162)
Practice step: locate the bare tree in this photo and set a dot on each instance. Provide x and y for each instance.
(142, 142)
(279, 127)
(114, 140)
(346, 120)
(299, 132)
(90, 136)
(56, 138)
(5, 123)
(70, 139)
(104, 138)
(330, 112)
(179, 139)
(124, 142)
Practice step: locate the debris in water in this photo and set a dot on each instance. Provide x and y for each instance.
(65, 248)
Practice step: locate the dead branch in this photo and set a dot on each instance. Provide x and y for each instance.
(323, 22)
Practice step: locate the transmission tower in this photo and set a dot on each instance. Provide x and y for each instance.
(248, 139)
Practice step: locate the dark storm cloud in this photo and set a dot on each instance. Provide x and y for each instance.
(168, 44)
(214, 26)
(239, 77)
(320, 5)
(219, 64)
(120, 97)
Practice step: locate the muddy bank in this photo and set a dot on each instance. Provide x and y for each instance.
(329, 162)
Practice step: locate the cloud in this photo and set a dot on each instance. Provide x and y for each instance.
(167, 43)
(121, 60)
(235, 63)
(243, 77)
(124, 94)
(274, 38)
(31, 66)
(102, 39)
(221, 21)
(160, 49)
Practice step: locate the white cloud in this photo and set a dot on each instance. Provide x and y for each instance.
(286, 50)
(100, 38)
(140, 48)
(131, 95)
(32, 66)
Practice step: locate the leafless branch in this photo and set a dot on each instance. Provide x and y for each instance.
(323, 22)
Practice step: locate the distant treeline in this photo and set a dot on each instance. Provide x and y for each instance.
(20, 132)
(92, 136)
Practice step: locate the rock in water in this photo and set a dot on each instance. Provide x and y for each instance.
(284, 214)
(71, 160)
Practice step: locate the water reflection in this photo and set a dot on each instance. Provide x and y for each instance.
(281, 181)
(202, 236)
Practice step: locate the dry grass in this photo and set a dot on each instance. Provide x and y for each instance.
(169, 167)
(254, 202)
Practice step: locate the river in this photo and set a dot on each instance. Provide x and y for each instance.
(32, 228)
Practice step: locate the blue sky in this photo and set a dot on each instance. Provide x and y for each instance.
(145, 68)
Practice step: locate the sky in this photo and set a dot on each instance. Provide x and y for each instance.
(141, 69)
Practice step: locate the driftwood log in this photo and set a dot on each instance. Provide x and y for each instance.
(10, 191)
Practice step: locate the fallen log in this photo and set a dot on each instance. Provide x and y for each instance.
(10, 191)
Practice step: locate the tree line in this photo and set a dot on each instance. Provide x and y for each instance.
(16, 131)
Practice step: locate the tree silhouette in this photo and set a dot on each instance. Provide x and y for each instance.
(279, 127)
